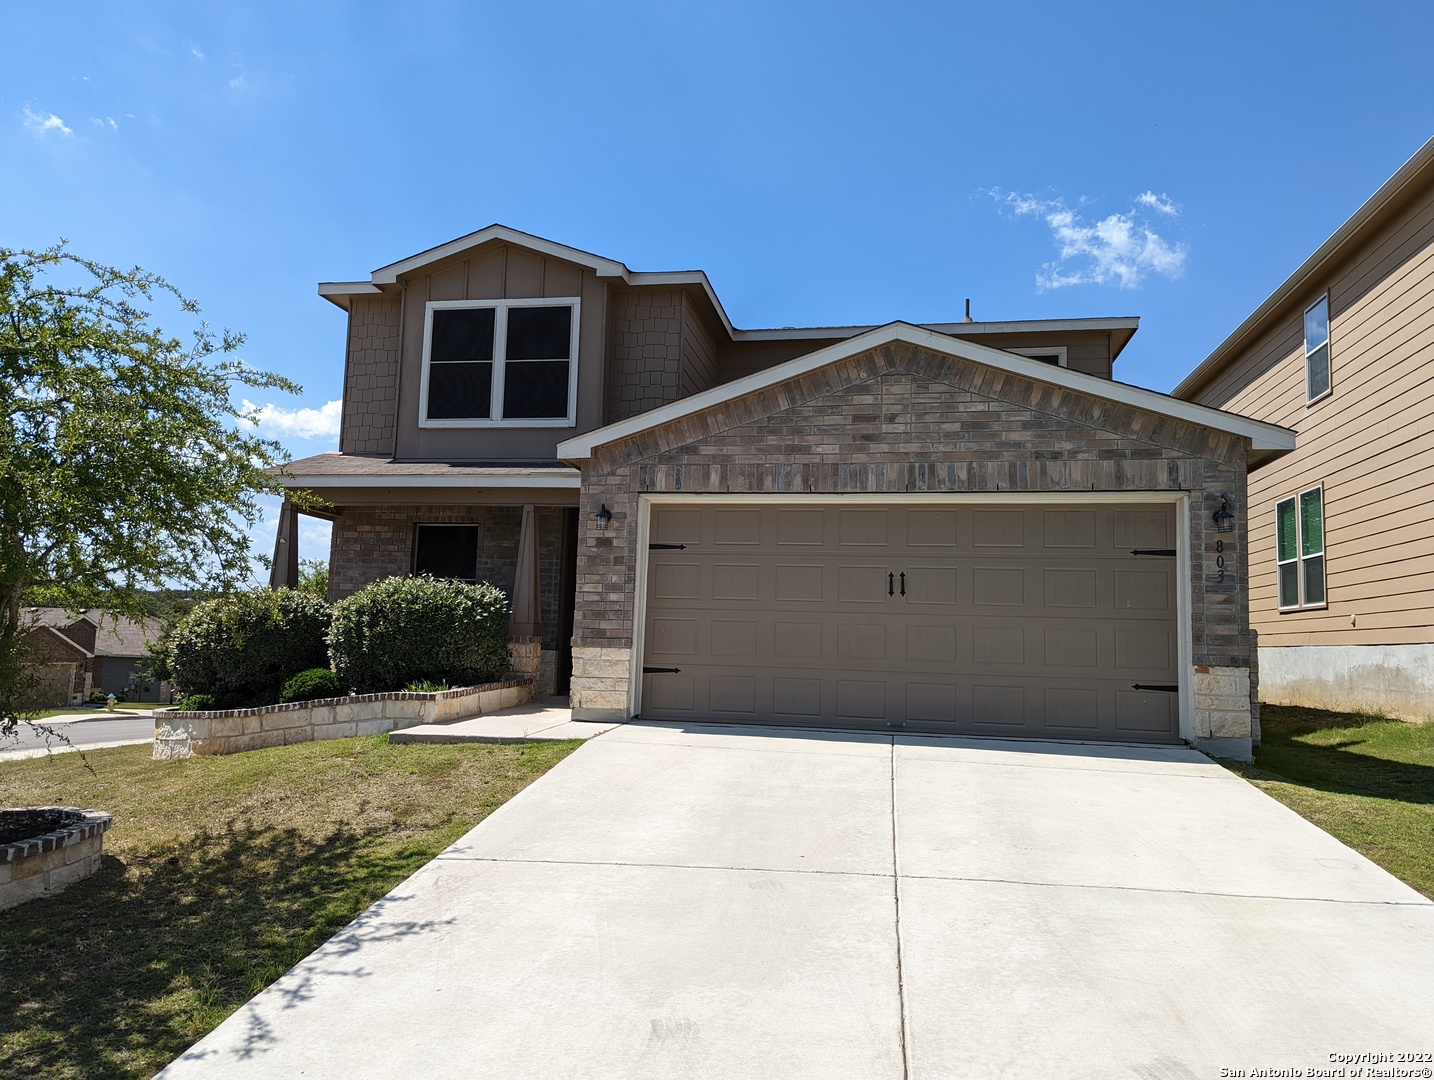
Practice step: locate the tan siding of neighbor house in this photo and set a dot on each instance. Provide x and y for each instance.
(497, 273)
(1368, 442)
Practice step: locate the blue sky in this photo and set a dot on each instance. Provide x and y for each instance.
(824, 163)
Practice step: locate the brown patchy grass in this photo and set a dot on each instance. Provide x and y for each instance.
(1365, 780)
(219, 875)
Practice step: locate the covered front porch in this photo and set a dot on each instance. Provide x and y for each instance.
(513, 526)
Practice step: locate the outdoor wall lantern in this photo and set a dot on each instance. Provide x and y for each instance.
(1224, 518)
(603, 517)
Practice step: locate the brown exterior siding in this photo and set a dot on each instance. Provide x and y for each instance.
(699, 351)
(645, 351)
(502, 272)
(370, 410)
(899, 419)
(1368, 442)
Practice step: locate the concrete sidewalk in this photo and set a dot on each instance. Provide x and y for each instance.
(719, 902)
(541, 720)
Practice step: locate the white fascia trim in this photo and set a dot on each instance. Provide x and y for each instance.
(1262, 436)
(1024, 326)
(348, 288)
(388, 275)
(571, 480)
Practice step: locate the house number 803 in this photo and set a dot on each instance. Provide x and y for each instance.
(1220, 559)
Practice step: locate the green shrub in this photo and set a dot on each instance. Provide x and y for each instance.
(241, 648)
(403, 629)
(198, 703)
(310, 684)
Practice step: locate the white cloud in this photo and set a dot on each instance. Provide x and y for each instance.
(42, 123)
(1160, 202)
(196, 51)
(239, 84)
(321, 423)
(106, 121)
(1121, 248)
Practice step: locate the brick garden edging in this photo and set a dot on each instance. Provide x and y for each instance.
(230, 731)
(43, 865)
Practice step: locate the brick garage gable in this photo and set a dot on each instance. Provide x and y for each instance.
(971, 382)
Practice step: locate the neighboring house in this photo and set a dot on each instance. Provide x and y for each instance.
(957, 527)
(1341, 561)
(80, 654)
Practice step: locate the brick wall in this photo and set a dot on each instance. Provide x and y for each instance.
(901, 419)
(371, 378)
(373, 542)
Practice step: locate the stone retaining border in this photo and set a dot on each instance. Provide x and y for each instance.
(43, 865)
(231, 731)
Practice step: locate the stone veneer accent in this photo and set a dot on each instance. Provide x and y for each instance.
(600, 682)
(1224, 717)
(230, 731)
(900, 419)
(44, 865)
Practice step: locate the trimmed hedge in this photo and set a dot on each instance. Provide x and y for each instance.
(240, 648)
(198, 703)
(309, 685)
(404, 629)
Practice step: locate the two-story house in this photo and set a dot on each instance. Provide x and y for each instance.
(1342, 530)
(957, 527)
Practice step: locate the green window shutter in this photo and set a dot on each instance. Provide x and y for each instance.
(1285, 530)
(1311, 523)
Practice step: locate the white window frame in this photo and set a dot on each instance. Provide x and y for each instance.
(1300, 557)
(1328, 350)
(1059, 350)
(500, 349)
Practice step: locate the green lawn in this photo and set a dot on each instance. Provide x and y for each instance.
(1369, 782)
(219, 874)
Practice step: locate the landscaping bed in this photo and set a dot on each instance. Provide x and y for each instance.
(219, 874)
(1367, 781)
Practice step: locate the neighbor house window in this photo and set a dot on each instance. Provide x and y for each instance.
(446, 551)
(1317, 349)
(1299, 544)
(500, 362)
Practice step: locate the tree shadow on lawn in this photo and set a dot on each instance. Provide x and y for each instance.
(1352, 765)
(124, 971)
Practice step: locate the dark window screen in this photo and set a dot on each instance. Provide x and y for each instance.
(447, 551)
(460, 391)
(535, 390)
(462, 334)
(540, 333)
(1045, 358)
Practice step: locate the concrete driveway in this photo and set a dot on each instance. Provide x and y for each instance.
(720, 903)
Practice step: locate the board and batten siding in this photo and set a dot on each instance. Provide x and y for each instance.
(500, 273)
(1369, 443)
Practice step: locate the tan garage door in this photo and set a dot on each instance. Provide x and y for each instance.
(998, 619)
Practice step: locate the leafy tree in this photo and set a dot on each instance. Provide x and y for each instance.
(314, 578)
(123, 461)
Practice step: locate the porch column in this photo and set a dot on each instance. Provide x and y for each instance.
(526, 627)
(284, 571)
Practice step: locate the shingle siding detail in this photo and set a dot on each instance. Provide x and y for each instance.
(645, 369)
(370, 411)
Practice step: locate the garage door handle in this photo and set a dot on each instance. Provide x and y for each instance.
(1168, 553)
(661, 670)
(1164, 688)
(890, 584)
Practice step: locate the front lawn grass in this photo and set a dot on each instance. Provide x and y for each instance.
(220, 873)
(1366, 781)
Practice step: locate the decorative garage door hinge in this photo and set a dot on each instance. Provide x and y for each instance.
(661, 670)
(1164, 688)
(1168, 553)
(666, 547)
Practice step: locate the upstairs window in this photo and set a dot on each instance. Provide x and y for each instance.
(1317, 349)
(1055, 355)
(500, 363)
(1299, 550)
